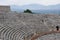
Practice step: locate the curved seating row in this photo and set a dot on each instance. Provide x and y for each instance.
(8, 33)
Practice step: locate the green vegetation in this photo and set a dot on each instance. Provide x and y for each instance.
(27, 11)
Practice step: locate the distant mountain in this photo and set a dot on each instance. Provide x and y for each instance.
(16, 8)
(41, 8)
(54, 7)
(33, 7)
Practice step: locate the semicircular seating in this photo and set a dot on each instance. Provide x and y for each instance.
(8, 33)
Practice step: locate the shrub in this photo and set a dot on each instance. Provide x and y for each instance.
(27, 11)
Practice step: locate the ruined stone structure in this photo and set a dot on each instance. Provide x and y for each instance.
(15, 26)
(4, 9)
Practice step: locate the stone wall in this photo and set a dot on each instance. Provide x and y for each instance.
(4, 9)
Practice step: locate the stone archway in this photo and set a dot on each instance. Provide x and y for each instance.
(42, 34)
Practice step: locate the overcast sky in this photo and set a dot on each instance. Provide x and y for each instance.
(25, 2)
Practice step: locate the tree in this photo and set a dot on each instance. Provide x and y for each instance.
(27, 11)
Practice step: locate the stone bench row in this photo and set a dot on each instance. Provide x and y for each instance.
(8, 33)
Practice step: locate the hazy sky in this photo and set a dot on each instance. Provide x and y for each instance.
(25, 2)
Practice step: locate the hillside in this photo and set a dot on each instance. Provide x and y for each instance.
(20, 25)
(38, 8)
